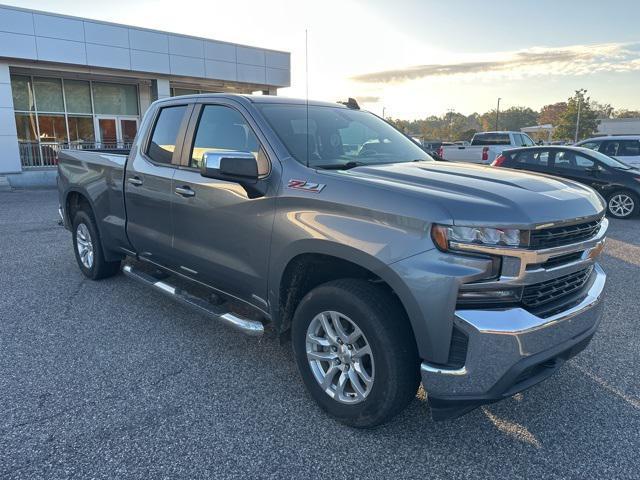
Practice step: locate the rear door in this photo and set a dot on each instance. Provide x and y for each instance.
(149, 184)
(533, 160)
(222, 235)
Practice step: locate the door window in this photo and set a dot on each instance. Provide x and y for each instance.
(590, 145)
(621, 148)
(570, 161)
(223, 129)
(533, 157)
(165, 134)
(517, 140)
(629, 148)
(526, 140)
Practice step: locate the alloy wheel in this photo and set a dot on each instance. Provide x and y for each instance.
(340, 357)
(84, 245)
(621, 205)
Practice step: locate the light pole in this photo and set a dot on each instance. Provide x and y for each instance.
(450, 115)
(498, 113)
(581, 92)
(383, 110)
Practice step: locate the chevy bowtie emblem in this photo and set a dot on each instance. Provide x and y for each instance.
(595, 251)
(307, 186)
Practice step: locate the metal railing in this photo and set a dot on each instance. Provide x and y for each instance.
(45, 154)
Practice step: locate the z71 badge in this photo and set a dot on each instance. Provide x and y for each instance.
(307, 186)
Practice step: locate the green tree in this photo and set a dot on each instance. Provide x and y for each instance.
(512, 119)
(566, 128)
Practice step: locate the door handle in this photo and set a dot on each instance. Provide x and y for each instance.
(185, 192)
(135, 181)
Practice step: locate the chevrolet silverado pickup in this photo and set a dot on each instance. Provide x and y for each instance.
(322, 223)
(485, 147)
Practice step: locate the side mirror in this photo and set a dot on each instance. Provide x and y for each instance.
(234, 166)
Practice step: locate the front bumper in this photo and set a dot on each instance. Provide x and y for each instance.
(510, 350)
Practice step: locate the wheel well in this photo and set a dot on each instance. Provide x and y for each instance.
(307, 271)
(76, 202)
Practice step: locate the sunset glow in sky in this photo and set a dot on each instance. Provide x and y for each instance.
(417, 58)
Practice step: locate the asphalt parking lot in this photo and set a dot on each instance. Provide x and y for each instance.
(110, 380)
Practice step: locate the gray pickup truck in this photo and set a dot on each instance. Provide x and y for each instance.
(323, 224)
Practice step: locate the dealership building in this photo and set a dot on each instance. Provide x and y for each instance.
(69, 82)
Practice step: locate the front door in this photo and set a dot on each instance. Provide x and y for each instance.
(221, 235)
(578, 167)
(115, 131)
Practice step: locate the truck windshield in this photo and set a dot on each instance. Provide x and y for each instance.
(490, 139)
(335, 138)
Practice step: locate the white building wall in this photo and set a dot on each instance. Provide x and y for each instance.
(33, 35)
(9, 154)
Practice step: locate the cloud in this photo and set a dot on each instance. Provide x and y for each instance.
(572, 60)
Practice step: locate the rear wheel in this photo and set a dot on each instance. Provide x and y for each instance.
(355, 352)
(88, 248)
(623, 204)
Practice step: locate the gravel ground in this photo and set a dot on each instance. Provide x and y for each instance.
(110, 380)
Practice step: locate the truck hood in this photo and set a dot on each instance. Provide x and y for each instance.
(475, 194)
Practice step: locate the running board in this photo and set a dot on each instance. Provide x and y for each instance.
(244, 325)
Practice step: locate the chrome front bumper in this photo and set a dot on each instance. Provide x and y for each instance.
(504, 342)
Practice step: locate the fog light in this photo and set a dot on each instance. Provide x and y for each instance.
(506, 296)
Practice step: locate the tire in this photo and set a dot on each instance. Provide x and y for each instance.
(88, 248)
(623, 204)
(393, 366)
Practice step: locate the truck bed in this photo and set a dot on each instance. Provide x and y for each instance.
(99, 176)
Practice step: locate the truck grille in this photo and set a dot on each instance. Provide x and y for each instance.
(563, 235)
(539, 294)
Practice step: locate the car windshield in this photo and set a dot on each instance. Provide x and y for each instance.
(339, 138)
(609, 161)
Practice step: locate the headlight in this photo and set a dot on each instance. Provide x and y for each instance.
(443, 235)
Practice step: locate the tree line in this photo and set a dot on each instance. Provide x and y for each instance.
(454, 126)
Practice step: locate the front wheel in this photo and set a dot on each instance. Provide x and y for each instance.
(623, 204)
(355, 351)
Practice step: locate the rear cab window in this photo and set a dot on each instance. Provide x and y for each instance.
(487, 139)
(163, 139)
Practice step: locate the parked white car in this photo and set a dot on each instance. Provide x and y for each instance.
(625, 148)
(485, 147)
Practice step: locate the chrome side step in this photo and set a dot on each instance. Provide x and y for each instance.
(244, 325)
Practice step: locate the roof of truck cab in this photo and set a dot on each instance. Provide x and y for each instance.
(263, 99)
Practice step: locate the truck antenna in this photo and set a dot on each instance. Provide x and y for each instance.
(306, 74)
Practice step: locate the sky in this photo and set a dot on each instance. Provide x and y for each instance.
(414, 58)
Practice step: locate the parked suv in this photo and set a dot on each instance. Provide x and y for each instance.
(325, 224)
(625, 148)
(617, 182)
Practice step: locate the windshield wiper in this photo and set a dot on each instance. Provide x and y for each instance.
(340, 166)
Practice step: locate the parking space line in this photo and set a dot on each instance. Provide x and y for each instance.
(634, 402)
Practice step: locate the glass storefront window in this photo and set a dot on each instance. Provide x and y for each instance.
(22, 93)
(81, 129)
(26, 126)
(114, 99)
(77, 93)
(52, 128)
(48, 94)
